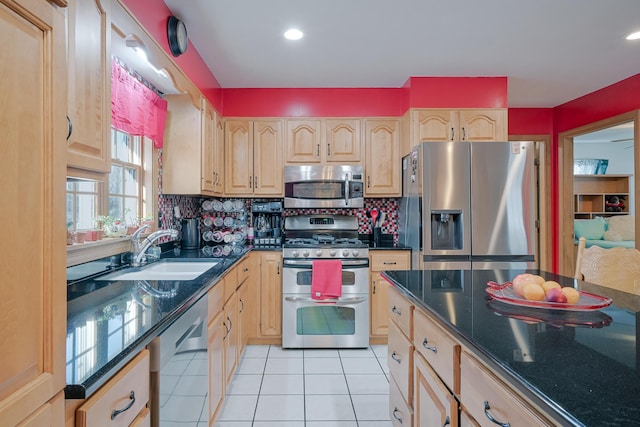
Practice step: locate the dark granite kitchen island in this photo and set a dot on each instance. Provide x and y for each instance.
(580, 367)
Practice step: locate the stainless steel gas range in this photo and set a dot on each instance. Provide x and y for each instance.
(341, 322)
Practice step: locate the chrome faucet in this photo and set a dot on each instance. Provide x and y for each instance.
(139, 247)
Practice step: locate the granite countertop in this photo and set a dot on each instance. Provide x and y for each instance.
(109, 322)
(581, 366)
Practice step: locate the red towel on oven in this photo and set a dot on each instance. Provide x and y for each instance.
(326, 279)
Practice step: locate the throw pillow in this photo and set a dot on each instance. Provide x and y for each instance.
(624, 225)
(590, 229)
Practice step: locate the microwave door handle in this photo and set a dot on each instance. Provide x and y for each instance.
(346, 189)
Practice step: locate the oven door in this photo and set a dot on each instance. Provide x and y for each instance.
(296, 276)
(341, 323)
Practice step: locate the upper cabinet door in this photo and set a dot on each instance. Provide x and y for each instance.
(483, 125)
(343, 142)
(303, 141)
(208, 148)
(268, 169)
(219, 155)
(435, 125)
(382, 149)
(33, 161)
(238, 157)
(89, 85)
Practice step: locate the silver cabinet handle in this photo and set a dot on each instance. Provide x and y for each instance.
(368, 181)
(396, 311)
(255, 182)
(453, 133)
(117, 412)
(230, 324)
(241, 306)
(250, 181)
(429, 347)
(389, 263)
(395, 410)
(328, 150)
(318, 151)
(395, 357)
(464, 134)
(490, 417)
(69, 127)
(374, 287)
(447, 421)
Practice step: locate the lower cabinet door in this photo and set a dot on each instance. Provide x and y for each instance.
(433, 405)
(400, 360)
(217, 375)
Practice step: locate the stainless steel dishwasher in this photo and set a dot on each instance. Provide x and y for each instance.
(179, 370)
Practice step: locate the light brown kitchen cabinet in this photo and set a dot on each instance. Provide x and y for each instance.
(483, 395)
(459, 125)
(191, 152)
(400, 358)
(231, 336)
(215, 350)
(434, 405)
(438, 348)
(380, 260)
(270, 296)
(253, 158)
(382, 158)
(89, 86)
(33, 163)
(121, 399)
(323, 141)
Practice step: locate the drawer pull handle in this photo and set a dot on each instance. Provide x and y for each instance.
(241, 306)
(426, 345)
(493, 420)
(117, 412)
(389, 263)
(447, 421)
(395, 416)
(396, 311)
(394, 357)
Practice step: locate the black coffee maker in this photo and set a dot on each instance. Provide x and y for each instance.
(267, 223)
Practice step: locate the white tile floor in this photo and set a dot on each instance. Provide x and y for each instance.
(308, 388)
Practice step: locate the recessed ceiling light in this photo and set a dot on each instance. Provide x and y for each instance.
(634, 36)
(293, 34)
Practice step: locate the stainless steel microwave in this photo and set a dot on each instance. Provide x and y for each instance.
(324, 186)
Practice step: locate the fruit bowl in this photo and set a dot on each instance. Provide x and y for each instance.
(584, 319)
(504, 293)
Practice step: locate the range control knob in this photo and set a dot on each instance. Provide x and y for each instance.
(345, 252)
(355, 252)
(295, 253)
(319, 253)
(305, 253)
(332, 252)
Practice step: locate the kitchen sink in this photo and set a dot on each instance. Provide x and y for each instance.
(164, 270)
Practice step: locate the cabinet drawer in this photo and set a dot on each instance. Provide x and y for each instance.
(438, 348)
(400, 310)
(483, 395)
(215, 299)
(390, 260)
(400, 361)
(243, 270)
(399, 412)
(130, 386)
(230, 283)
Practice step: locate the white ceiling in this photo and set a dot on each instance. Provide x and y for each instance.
(552, 51)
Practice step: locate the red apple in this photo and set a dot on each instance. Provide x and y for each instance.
(556, 295)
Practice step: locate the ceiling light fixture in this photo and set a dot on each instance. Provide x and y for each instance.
(634, 36)
(293, 34)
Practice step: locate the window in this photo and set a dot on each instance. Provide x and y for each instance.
(128, 193)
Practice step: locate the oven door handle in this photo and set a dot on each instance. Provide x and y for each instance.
(345, 262)
(343, 301)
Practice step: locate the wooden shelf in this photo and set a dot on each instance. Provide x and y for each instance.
(591, 193)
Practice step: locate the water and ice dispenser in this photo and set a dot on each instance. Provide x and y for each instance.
(446, 229)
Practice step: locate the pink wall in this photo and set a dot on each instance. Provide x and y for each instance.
(289, 102)
(609, 101)
(457, 92)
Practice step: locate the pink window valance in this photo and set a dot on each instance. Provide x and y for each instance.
(135, 108)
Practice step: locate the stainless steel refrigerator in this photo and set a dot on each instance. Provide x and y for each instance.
(469, 203)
